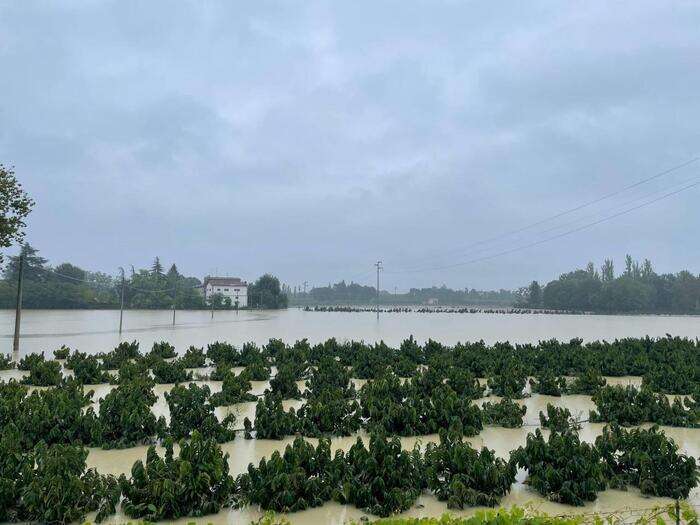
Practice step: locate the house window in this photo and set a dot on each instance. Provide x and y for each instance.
(225, 289)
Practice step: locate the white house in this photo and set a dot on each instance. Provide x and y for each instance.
(231, 287)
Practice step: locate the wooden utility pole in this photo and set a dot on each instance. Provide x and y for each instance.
(378, 264)
(18, 308)
(121, 302)
(174, 301)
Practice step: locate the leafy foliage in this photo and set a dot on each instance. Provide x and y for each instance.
(509, 383)
(464, 383)
(6, 362)
(381, 479)
(679, 378)
(234, 389)
(627, 405)
(464, 477)
(61, 353)
(558, 419)
(258, 371)
(300, 478)
(60, 415)
(506, 413)
(191, 409)
(164, 350)
(271, 420)
(329, 413)
(194, 358)
(44, 373)
(50, 484)
(125, 414)
(647, 459)
(223, 353)
(284, 383)
(195, 483)
(88, 371)
(122, 353)
(30, 360)
(588, 383)
(174, 372)
(563, 469)
(548, 384)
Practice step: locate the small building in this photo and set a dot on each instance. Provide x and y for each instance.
(232, 287)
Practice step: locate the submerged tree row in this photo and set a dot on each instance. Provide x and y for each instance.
(413, 390)
(53, 484)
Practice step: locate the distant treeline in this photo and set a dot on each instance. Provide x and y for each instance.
(639, 289)
(353, 293)
(68, 286)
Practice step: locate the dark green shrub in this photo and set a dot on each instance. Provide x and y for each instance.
(271, 420)
(548, 384)
(44, 373)
(463, 477)
(165, 372)
(223, 353)
(191, 409)
(234, 389)
(6, 362)
(558, 419)
(88, 371)
(563, 469)
(30, 360)
(258, 371)
(300, 478)
(61, 353)
(284, 383)
(329, 413)
(587, 383)
(122, 353)
(129, 370)
(60, 415)
(125, 416)
(196, 483)
(679, 378)
(74, 358)
(194, 358)
(647, 459)
(506, 413)
(329, 374)
(464, 383)
(381, 479)
(164, 350)
(509, 383)
(62, 490)
(627, 406)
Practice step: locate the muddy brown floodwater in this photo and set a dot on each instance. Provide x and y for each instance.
(95, 331)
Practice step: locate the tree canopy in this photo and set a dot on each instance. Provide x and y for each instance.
(638, 289)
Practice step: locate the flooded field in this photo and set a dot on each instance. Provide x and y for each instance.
(95, 331)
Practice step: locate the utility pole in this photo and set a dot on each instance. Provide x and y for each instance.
(121, 304)
(174, 301)
(18, 310)
(378, 264)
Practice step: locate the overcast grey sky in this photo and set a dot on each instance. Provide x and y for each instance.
(309, 139)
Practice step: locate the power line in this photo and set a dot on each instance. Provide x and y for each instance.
(554, 237)
(569, 210)
(589, 217)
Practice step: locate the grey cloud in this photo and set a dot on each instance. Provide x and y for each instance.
(311, 139)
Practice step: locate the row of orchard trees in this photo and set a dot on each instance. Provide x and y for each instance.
(69, 286)
(638, 289)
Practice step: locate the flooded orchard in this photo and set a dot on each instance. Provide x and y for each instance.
(95, 331)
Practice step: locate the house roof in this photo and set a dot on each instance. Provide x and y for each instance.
(224, 281)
